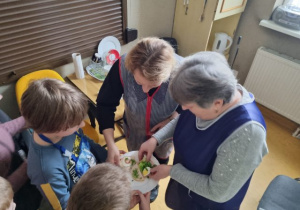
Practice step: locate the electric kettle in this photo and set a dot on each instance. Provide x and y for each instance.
(221, 42)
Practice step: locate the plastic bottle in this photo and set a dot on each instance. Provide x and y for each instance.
(98, 58)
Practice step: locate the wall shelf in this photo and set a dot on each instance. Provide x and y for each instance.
(272, 25)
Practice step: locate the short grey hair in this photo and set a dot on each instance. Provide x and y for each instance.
(203, 78)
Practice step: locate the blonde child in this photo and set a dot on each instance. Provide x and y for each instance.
(7, 194)
(106, 187)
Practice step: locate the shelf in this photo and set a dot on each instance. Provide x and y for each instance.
(270, 24)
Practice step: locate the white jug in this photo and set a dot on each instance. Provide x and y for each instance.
(220, 43)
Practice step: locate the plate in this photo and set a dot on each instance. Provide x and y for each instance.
(107, 44)
(112, 56)
(95, 73)
(148, 184)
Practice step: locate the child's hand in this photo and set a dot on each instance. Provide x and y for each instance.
(145, 201)
(135, 198)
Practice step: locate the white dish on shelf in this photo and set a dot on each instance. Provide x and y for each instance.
(87, 68)
(107, 44)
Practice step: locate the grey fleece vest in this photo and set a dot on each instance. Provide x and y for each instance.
(143, 112)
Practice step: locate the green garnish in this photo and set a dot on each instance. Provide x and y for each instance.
(144, 164)
(135, 173)
(132, 162)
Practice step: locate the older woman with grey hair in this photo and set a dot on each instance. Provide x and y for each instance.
(219, 138)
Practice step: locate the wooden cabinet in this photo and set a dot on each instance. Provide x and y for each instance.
(196, 22)
(227, 8)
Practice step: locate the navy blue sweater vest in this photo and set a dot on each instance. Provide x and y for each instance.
(197, 150)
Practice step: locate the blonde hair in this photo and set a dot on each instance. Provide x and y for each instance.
(7, 194)
(153, 57)
(103, 187)
(50, 105)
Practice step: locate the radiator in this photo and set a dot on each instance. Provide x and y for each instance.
(274, 79)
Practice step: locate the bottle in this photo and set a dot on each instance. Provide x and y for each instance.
(98, 58)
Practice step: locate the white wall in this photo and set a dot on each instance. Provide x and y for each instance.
(255, 36)
(150, 18)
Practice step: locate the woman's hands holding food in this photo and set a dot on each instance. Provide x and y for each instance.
(160, 172)
(147, 148)
(113, 154)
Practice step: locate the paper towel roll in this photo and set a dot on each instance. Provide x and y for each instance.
(78, 65)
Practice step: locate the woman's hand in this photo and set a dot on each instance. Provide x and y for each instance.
(113, 155)
(163, 123)
(160, 172)
(147, 148)
(159, 126)
(144, 201)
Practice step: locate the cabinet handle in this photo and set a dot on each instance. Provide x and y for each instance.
(203, 11)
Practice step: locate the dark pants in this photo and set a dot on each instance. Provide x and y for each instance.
(99, 152)
(28, 197)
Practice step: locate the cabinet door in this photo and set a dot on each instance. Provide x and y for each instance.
(227, 8)
(190, 31)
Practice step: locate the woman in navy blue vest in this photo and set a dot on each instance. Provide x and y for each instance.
(219, 138)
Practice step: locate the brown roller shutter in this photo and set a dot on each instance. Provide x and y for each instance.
(43, 34)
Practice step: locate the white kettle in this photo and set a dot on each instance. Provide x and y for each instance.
(221, 42)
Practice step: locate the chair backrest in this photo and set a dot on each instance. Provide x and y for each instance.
(282, 193)
(23, 82)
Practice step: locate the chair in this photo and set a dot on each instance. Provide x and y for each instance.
(22, 85)
(283, 193)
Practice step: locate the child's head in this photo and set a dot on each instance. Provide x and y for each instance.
(50, 106)
(103, 187)
(7, 194)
